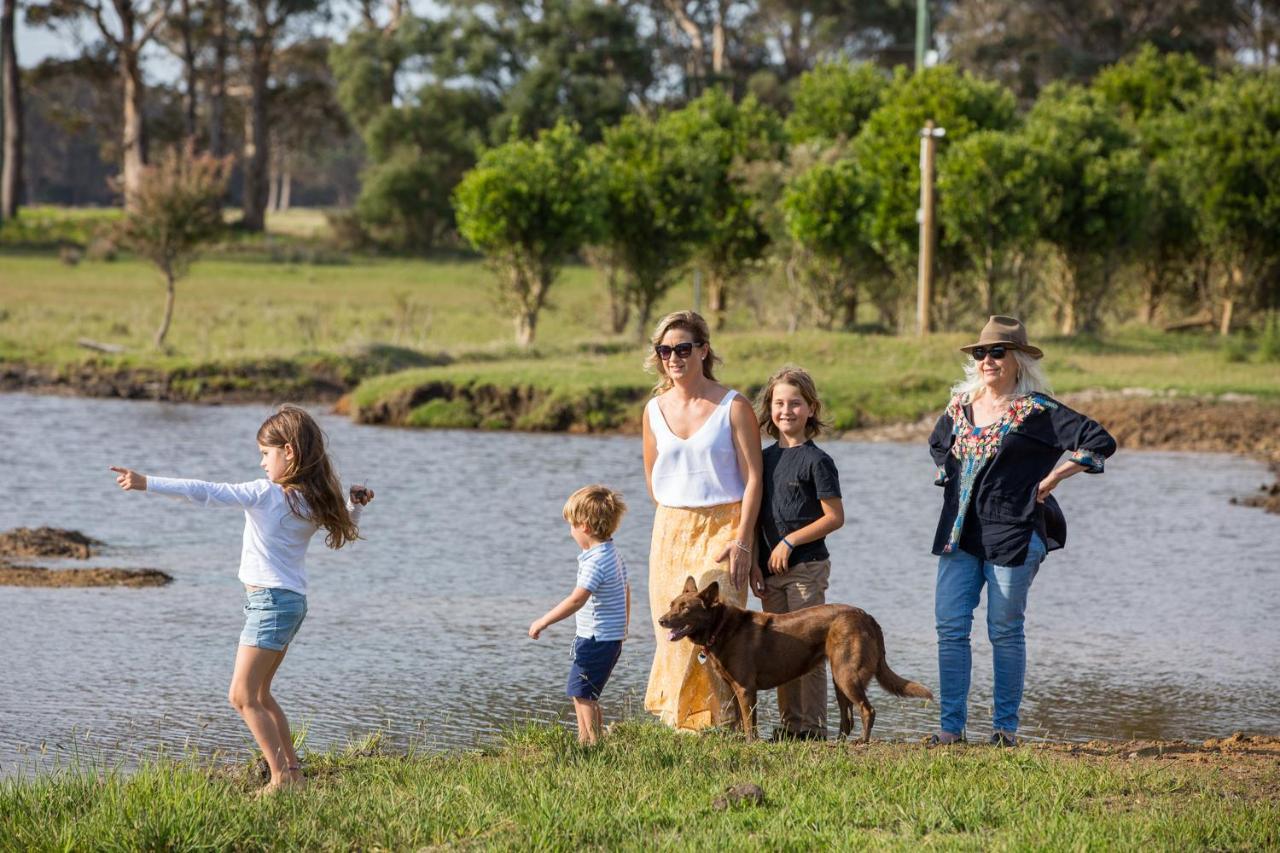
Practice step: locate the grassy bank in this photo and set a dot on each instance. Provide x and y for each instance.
(262, 330)
(647, 788)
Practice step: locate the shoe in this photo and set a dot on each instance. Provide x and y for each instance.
(999, 738)
(943, 739)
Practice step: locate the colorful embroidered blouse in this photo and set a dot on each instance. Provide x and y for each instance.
(992, 473)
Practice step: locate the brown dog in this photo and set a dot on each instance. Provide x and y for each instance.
(758, 651)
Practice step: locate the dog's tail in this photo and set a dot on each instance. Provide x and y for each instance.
(891, 681)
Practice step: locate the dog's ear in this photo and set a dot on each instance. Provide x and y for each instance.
(690, 585)
(711, 593)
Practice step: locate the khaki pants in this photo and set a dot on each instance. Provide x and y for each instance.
(802, 702)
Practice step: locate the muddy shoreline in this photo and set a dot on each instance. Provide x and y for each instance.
(1139, 419)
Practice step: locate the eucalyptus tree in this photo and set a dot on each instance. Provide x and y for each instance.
(127, 28)
(11, 117)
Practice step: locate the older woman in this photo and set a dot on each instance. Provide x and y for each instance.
(997, 447)
(703, 467)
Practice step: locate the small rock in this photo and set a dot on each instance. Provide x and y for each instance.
(747, 792)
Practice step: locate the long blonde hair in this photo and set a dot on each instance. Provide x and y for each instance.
(803, 382)
(691, 322)
(1031, 378)
(310, 484)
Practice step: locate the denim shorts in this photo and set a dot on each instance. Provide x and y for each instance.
(272, 617)
(593, 662)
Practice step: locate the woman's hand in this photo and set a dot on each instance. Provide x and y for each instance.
(535, 629)
(739, 559)
(1047, 485)
(130, 481)
(362, 495)
(779, 558)
(757, 582)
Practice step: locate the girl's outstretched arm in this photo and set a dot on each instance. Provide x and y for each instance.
(198, 492)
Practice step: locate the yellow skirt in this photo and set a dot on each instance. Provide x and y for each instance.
(684, 693)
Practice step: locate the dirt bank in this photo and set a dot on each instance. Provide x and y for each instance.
(250, 382)
(34, 576)
(46, 542)
(55, 543)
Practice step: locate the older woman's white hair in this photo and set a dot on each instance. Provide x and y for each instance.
(1031, 377)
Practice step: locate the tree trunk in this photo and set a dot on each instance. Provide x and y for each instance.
(1152, 293)
(134, 137)
(168, 308)
(218, 80)
(189, 70)
(286, 186)
(1234, 286)
(11, 95)
(717, 299)
(273, 186)
(720, 41)
(697, 46)
(257, 145)
(644, 299)
(850, 305)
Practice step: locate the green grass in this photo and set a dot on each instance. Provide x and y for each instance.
(648, 788)
(863, 379)
(234, 316)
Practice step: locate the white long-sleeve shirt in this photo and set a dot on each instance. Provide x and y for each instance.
(275, 540)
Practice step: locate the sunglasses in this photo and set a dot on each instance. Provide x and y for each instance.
(997, 352)
(683, 350)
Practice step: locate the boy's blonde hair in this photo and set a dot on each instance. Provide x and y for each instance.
(597, 508)
(802, 382)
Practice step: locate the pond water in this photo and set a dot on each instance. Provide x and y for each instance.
(1158, 620)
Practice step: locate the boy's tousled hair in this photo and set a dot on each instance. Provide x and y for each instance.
(596, 507)
(691, 322)
(310, 484)
(802, 382)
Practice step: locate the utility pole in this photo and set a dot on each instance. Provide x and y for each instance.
(928, 135)
(922, 32)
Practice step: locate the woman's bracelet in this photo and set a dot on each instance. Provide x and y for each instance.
(787, 542)
(742, 546)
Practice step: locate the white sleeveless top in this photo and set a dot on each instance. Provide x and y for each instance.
(701, 470)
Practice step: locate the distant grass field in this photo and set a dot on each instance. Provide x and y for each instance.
(647, 788)
(233, 310)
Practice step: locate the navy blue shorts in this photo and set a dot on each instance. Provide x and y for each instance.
(593, 662)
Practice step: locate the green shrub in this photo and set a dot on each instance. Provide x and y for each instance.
(443, 414)
(1269, 343)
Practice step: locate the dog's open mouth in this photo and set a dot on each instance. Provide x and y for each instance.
(679, 633)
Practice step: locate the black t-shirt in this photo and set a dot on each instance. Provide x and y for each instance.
(795, 480)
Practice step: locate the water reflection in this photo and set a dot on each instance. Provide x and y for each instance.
(1157, 621)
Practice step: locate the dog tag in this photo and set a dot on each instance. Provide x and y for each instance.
(702, 657)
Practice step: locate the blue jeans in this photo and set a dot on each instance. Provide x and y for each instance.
(960, 579)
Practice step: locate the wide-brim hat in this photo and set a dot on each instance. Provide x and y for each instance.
(1005, 330)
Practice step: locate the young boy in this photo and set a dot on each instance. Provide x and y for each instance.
(601, 599)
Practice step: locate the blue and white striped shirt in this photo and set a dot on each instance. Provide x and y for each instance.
(602, 572)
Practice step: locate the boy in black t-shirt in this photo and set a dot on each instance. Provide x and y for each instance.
(801, 505)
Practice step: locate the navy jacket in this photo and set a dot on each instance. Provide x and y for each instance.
(1001, 510)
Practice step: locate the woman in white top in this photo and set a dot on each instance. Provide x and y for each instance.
(703, 467)
(300, 495)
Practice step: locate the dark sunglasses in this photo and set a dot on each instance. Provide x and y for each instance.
(683, 350)
(997, 352)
